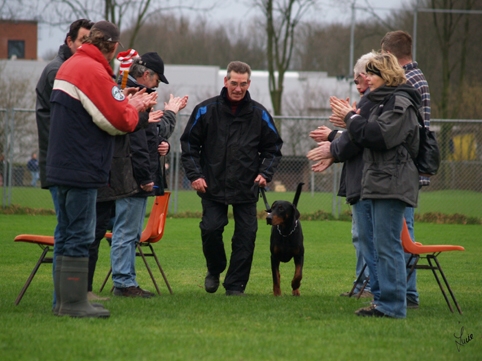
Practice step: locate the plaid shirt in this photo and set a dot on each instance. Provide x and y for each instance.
(416, 78)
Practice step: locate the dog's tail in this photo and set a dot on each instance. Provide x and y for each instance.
(297, 194)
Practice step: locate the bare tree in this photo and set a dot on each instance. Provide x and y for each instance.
(281, 19)
(123, 13)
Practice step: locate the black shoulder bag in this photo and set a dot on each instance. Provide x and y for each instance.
(428, 158)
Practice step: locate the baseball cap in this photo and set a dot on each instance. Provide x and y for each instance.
(111, 31)
(153, 61)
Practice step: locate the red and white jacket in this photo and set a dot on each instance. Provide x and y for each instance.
(87, 110)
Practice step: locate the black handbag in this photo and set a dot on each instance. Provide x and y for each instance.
(427, 160)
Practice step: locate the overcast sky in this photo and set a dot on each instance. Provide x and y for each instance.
(50, 38)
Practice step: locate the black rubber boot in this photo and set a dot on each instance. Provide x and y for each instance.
(58, 268)
(73, 290)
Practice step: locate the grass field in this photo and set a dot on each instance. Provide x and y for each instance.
(194, 325)
(467, 203)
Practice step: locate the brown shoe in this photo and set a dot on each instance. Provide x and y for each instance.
(370, 311)
(132, 292)
(91, 296)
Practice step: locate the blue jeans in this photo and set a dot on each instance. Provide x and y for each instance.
(392, 276)
(76, 221)
(412, 293)
(35, 177)
(362, 214)
(126, 233)
(360, 261)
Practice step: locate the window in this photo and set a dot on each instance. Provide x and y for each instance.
(16, 48)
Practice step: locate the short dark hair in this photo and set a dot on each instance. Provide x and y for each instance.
(399, 43)
(238, 67)
(76, 26)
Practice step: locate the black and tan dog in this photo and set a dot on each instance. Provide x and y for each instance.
(286, 240)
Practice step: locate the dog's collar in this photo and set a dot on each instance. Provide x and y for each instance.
(287, 235)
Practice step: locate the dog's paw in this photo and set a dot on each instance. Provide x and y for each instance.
(296, 292)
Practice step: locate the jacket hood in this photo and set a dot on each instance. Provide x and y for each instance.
(414, 95)
(379, 94)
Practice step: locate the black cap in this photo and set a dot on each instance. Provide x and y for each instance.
(111, 31)
(154, 62)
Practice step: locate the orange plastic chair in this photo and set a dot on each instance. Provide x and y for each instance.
(430, 253)
(151, 234)
(46, 243)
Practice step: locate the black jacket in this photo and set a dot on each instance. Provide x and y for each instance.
(131, 165)
(146, 162)
(42, 108)
(344, 149)
(229, 150)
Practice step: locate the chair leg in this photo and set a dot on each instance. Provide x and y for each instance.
(32, 275)
(363, 287)
(429, 258)
(413, 266)
(105, 280)
(352, 291)
(148, 268)
(160, 269)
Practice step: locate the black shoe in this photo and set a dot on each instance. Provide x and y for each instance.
(132, 292)
(369, 311)
(235, 293)
(412, 304)
(211, 283)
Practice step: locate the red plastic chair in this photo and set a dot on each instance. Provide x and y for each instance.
(151, 234)
(430, 253)
(46, 243)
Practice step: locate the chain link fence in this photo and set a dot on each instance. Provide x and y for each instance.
(456, 189)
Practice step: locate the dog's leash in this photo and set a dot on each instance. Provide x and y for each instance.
(266, 204)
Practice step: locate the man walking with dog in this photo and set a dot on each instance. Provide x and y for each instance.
(230, 147)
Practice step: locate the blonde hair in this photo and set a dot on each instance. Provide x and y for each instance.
(386, 66)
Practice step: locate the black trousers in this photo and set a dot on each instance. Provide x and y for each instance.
(214, 219)
(104, 213)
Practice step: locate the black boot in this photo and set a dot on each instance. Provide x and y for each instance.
(73, 290)
(58, 268)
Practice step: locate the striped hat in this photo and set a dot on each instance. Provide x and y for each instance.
(126, 59)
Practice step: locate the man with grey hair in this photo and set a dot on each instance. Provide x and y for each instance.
(146, 72)
(336, 146)
(230, 147)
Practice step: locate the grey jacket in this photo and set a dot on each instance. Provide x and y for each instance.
(389, 171)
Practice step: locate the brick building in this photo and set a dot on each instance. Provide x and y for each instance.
(18, 38)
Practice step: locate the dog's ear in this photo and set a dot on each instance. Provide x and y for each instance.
(274, 204)
(296, 212)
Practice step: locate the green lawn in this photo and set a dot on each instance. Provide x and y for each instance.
(194, 325)
(468, 203)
